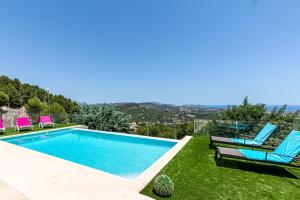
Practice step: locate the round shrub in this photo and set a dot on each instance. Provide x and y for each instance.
(163, 186)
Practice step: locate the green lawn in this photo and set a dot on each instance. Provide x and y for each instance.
(12, 131)
(196, 176)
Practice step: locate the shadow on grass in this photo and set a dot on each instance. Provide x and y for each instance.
(295, 185)
(260, 168)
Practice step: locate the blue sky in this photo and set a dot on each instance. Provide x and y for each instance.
(170, 51)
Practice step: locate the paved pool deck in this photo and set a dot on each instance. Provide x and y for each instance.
(27, 174)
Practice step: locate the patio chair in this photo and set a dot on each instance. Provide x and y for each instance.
(23, 123)
(46, 121)
(2, 127)
(284, 154)
(258, 141)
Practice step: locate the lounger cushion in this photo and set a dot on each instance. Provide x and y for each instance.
(45, 120)
(265, 133)
(261, 137)
(290, 145)
(261, 156)
(1, 124)
(23, 122)
(288, 149)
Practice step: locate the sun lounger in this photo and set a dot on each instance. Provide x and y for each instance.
(258, 141)
(46, 121)
(2, 127)
(23, 123)
(284, 154)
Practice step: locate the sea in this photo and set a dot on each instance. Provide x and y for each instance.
(289, 108)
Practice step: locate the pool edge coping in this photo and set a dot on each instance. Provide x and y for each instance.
(130, 135)
(145, 178)
(41, 131)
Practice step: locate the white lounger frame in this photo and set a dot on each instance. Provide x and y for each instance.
(42, 125)
(19, 128)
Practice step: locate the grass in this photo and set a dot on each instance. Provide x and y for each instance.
(12, 131)
(196, 176)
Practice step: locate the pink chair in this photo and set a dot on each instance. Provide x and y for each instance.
(23, 123)
(46, 121)
(2, 127)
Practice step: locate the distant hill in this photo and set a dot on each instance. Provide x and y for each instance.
(289, 108)
(167, 113)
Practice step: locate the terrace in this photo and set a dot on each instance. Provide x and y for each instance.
(192, 167)
(190, 163)
(145, 100)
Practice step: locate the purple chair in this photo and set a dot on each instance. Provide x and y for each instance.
(23, 123)
(2, 127)
(46, 121)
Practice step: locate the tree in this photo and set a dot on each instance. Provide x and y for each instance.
(59, 113)
(8, 86)
(284, 121)
(244, 112)
(19, 95)
(248, 118)
(104, 118)
(4, 99)
(34, 106)
(186, 128)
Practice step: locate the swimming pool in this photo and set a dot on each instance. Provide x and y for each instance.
(119, 154)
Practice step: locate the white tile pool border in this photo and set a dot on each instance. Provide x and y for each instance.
(144, 179)
(132, 184)
(128, 135)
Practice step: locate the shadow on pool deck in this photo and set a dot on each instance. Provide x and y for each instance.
(258, 168)
(9, 192)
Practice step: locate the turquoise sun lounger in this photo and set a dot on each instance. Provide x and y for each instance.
(284, 154)
(258, 141)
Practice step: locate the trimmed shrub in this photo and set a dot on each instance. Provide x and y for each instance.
(163, 186)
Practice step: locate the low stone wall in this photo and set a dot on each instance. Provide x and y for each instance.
(9, 116)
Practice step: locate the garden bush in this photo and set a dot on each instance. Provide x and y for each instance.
(163, 186)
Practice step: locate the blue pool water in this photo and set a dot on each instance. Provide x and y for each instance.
(116, 154)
